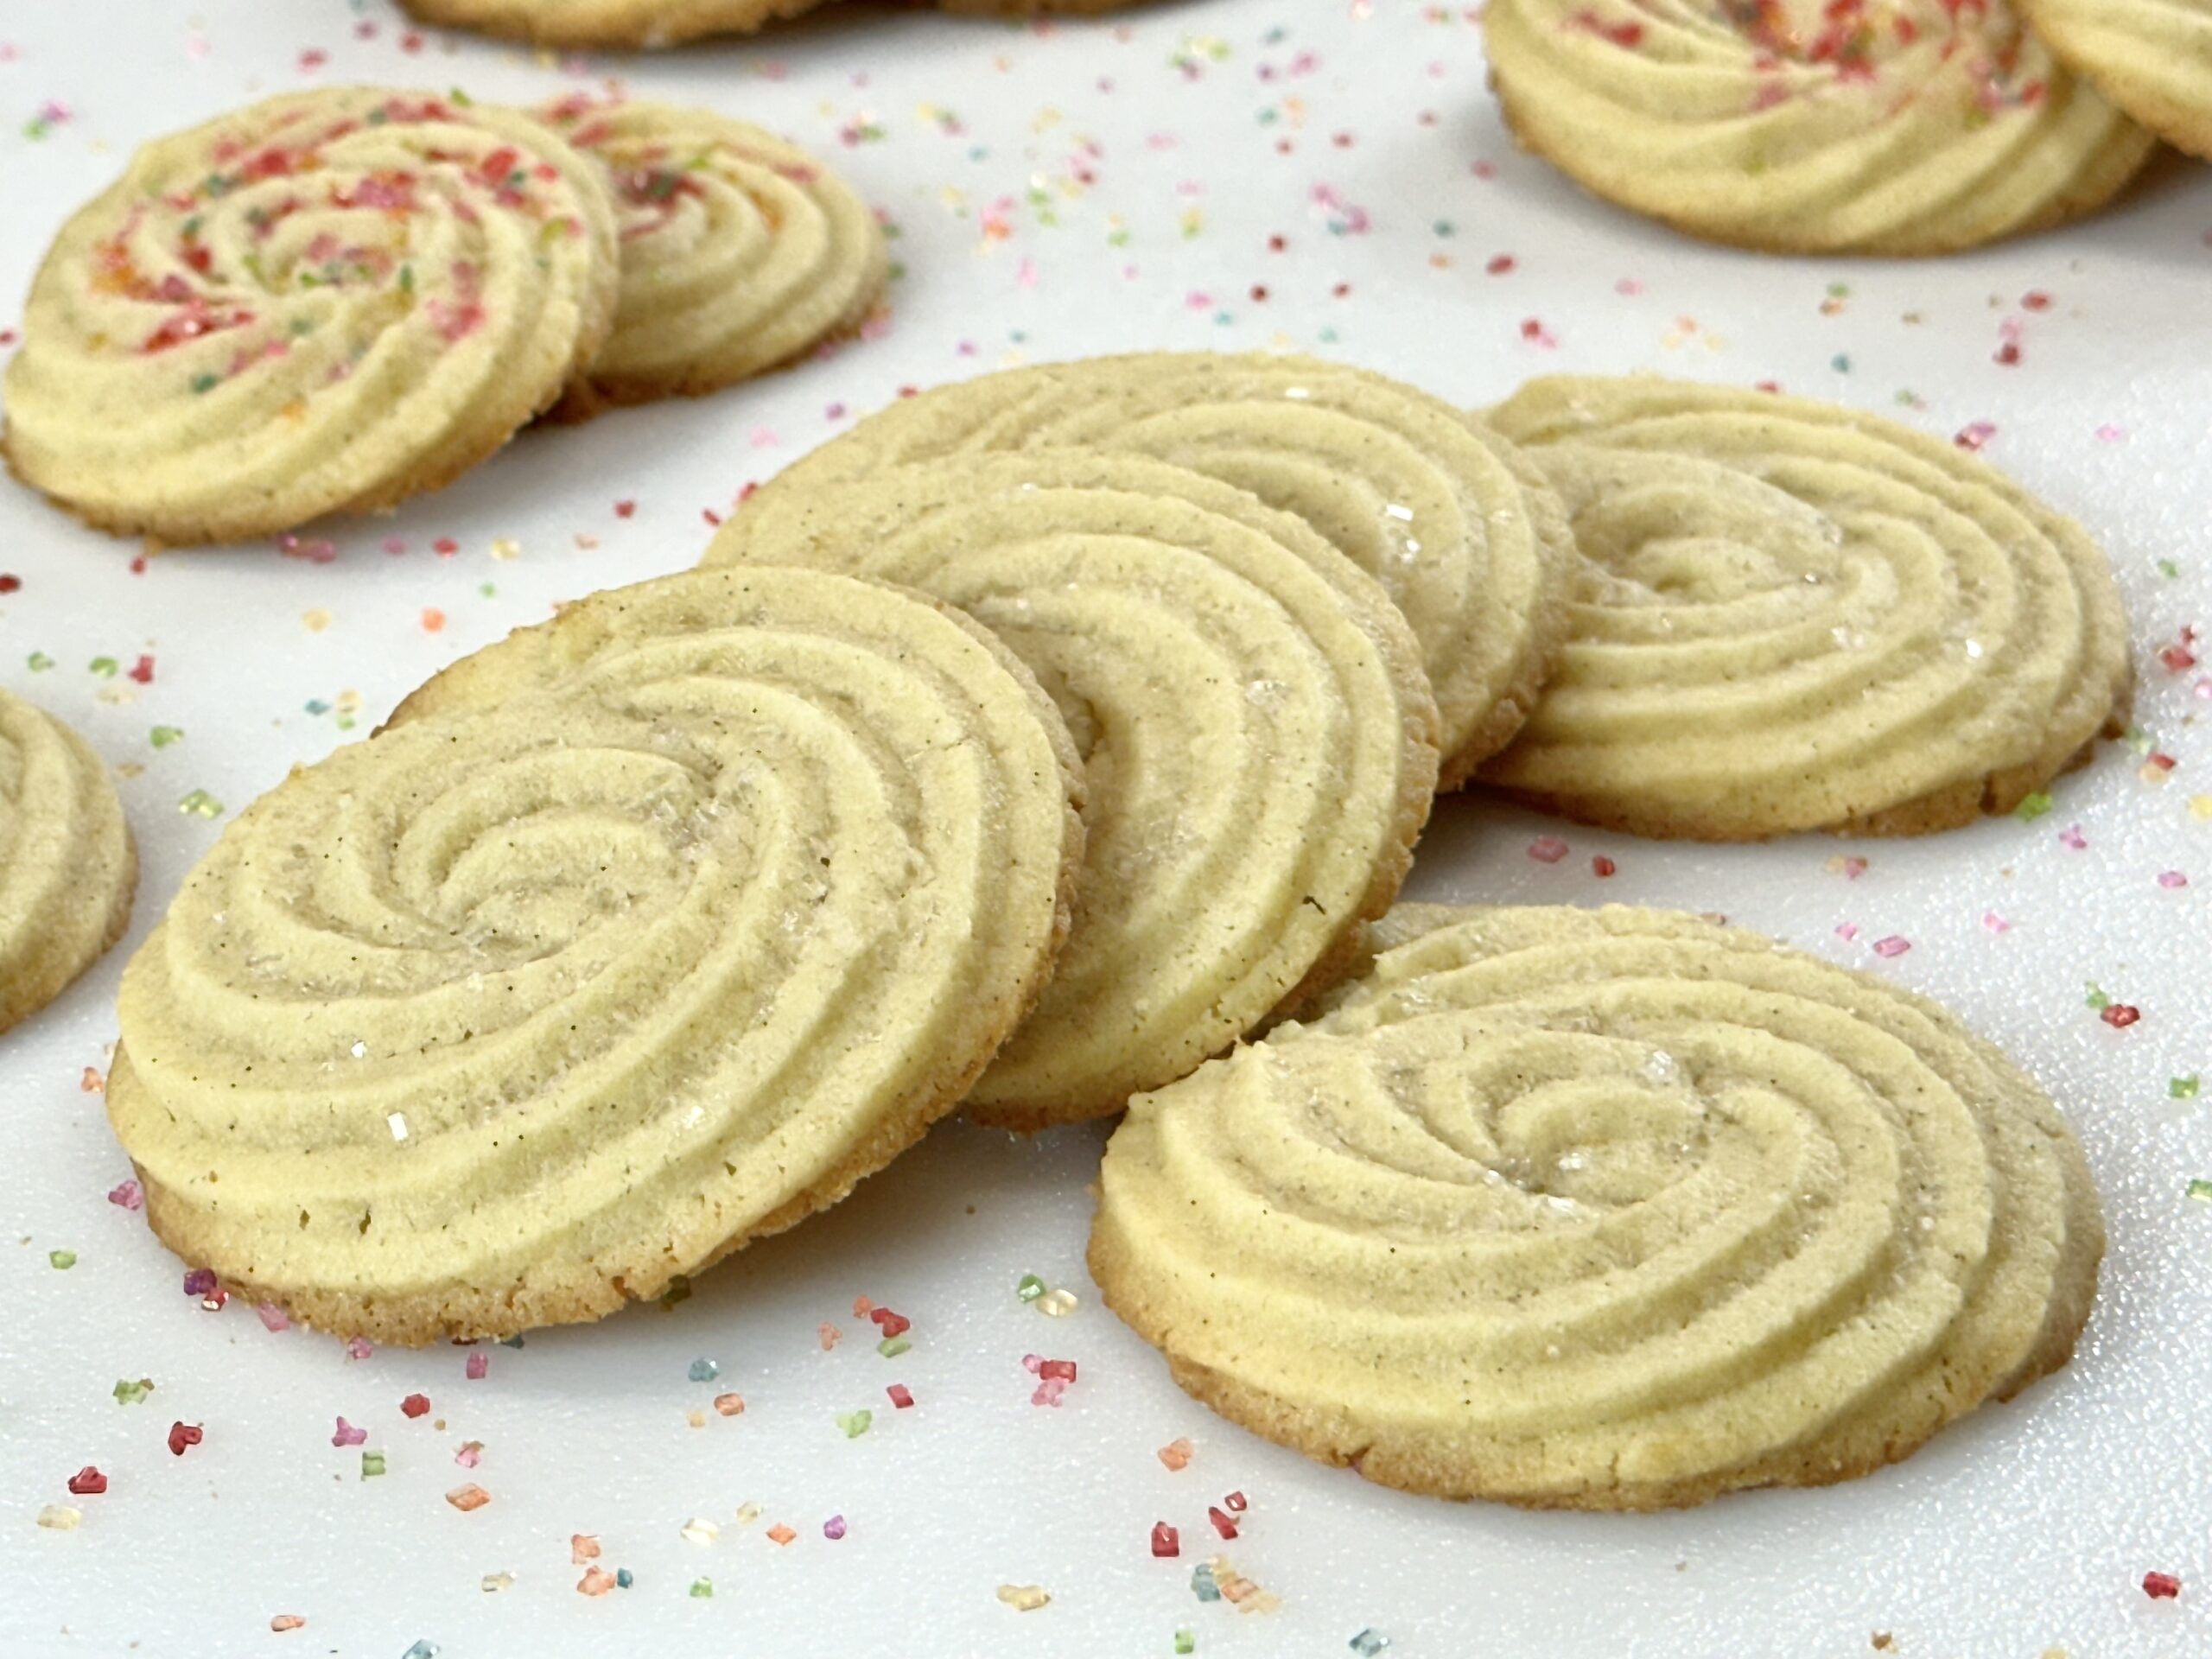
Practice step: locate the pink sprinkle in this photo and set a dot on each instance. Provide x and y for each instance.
(1854, 868)
(835, 412)
(358, 1348)
(1628, 287)
(763, 437)
(902, 1396)
(1485, 169)
(1995, 923)
(1025, 274)
(471, 1454)
(1547, 850)
(395, 545)
(200, 1281)
(1048, 1393)
(1032, 1363)
(347, 1435)
(1974, 434)
(1176, 1454)
(128, 1194)
(312, 60)
(284, 1622)
(2172, 879)
(1895, 945)
(1847, 930)
(2072, 836)
(828, 1335)
(477, 1366)
(1198, 299)
(2111, 432)
(1533, 331)
(834, 1528)
(272, 1316)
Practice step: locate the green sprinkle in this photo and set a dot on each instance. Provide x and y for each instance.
(204, 382)
(372, 1464)
(1185, 1642)
(2094, 996)
(2181, 1088)
(509, 1342)
(1839, 363)
(106, 667)
(201, 805)
(2167, 568)
(162, 736)
(128, 1393)
(855, 1423)
(1445, 227)
(1839, 290)
(1030, 1289)
(488, 591)
(461, 98)
(39, 662)
(679, 1290)
(2200, 1190)
(407, 279)
(703, 1589)
(892, 1347)
(623, 1578)
(62, 1260)
(2033, 806)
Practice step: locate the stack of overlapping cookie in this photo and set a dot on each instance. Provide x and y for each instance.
(332, 300)
(1056, 743)
(1854, 126)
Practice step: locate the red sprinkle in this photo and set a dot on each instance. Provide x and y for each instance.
(2160, 1587)
(1222, 1523)
(416, 1405)
(1500, 265)
(182, 1435)
(1165, 1543)
(1235, 1501)
(1547, 850)
(87, 1482)
(902, 1396)
(625, 509)
(1601, 867)
(10, 584)
(143, 670)
(1064, 1369)
(478, 1364)
(2121, 1015)
(892, 1325)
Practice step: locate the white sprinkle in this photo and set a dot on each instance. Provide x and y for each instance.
(397, 1123)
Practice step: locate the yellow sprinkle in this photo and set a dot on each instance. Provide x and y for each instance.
(1023, 1597)
(507, 550)
(696, 1418)
(317, 619)
(61, 1518)
(2199, 806)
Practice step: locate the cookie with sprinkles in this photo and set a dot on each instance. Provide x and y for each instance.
(740, 252)
(1796, 616)
(608, 23)
(2153, 58)
(327, 302)
(644, 933)
(1256, 730)
(1461, 529)
(67, 866)
(1812, 126)
(1602, 1209)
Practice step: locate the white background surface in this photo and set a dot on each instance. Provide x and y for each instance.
(1060, 192)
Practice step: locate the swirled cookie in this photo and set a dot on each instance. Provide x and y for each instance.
(67, 868)
(1800, 126)
(740, 252)
(327, 302)
(669, 22)
(1801, 617)
(642, 934)
(1257, 734)
(1462, 532)
(1602, 1209)
(2153, 58)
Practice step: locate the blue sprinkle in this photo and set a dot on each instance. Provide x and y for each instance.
(704, 1370)
(1370, 1643)
(425, 1649)
(623, 1578)
(1202, 1583)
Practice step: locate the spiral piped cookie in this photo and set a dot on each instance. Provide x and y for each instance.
(329, 302)
(1258, 738)
(1461, 530)
(1602, 1209)
(1812, 126)
(669, 22)
(68, 867)
(2153, 58)
(740, 252)
(1798, 616)
(645, 933)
